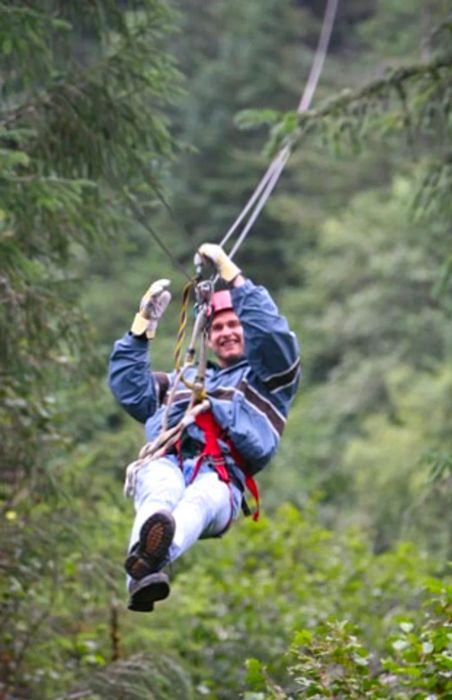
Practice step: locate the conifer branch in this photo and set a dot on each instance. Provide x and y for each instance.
(398, 80)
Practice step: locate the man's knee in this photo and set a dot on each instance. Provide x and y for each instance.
(210, 494)
(158, 477)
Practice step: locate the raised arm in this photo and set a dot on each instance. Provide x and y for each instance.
(271, 347)
(129, 376)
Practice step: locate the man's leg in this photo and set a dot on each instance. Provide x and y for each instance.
(206, 509)
(160, 486)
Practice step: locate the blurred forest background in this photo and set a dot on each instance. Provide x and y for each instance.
(123, 119)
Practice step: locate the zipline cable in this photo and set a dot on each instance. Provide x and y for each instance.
(269, 186)
(268, 182)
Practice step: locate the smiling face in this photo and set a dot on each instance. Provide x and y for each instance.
(226, 338)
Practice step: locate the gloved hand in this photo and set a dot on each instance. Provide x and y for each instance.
(215, 253)
(152, 306)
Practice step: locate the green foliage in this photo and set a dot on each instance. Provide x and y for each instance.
(331, 661)
(243, 596)
(76, 124)
(153, 678)
(246, 595)
(376, 349)
(411, 102)
(390, 465)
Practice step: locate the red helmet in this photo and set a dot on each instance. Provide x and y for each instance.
(222, 301)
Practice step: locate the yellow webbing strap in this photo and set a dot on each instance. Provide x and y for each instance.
(182, 322)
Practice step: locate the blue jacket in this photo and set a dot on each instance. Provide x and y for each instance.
(250, 400)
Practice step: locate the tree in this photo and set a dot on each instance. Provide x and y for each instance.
(82, 134)
(83, 139)
(376, 342)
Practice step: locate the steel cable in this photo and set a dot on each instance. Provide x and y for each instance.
(268, 182)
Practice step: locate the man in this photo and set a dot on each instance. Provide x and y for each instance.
(197, 490)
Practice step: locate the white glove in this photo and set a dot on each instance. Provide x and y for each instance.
(152, 307)
(227, 269)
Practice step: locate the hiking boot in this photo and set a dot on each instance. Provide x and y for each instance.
(147, 590)
(150, 553)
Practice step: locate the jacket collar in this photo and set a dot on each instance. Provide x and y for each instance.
(216, 367)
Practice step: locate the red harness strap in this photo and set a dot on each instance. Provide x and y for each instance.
(212, 449)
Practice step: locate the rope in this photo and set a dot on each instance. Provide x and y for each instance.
(204, 291)
(268, 182)
(160, 446)
(269, 187)
(320, 56)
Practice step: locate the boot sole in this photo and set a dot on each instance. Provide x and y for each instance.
(156, 536)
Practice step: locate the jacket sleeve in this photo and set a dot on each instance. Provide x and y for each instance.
(271, 348)
(130, 378)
